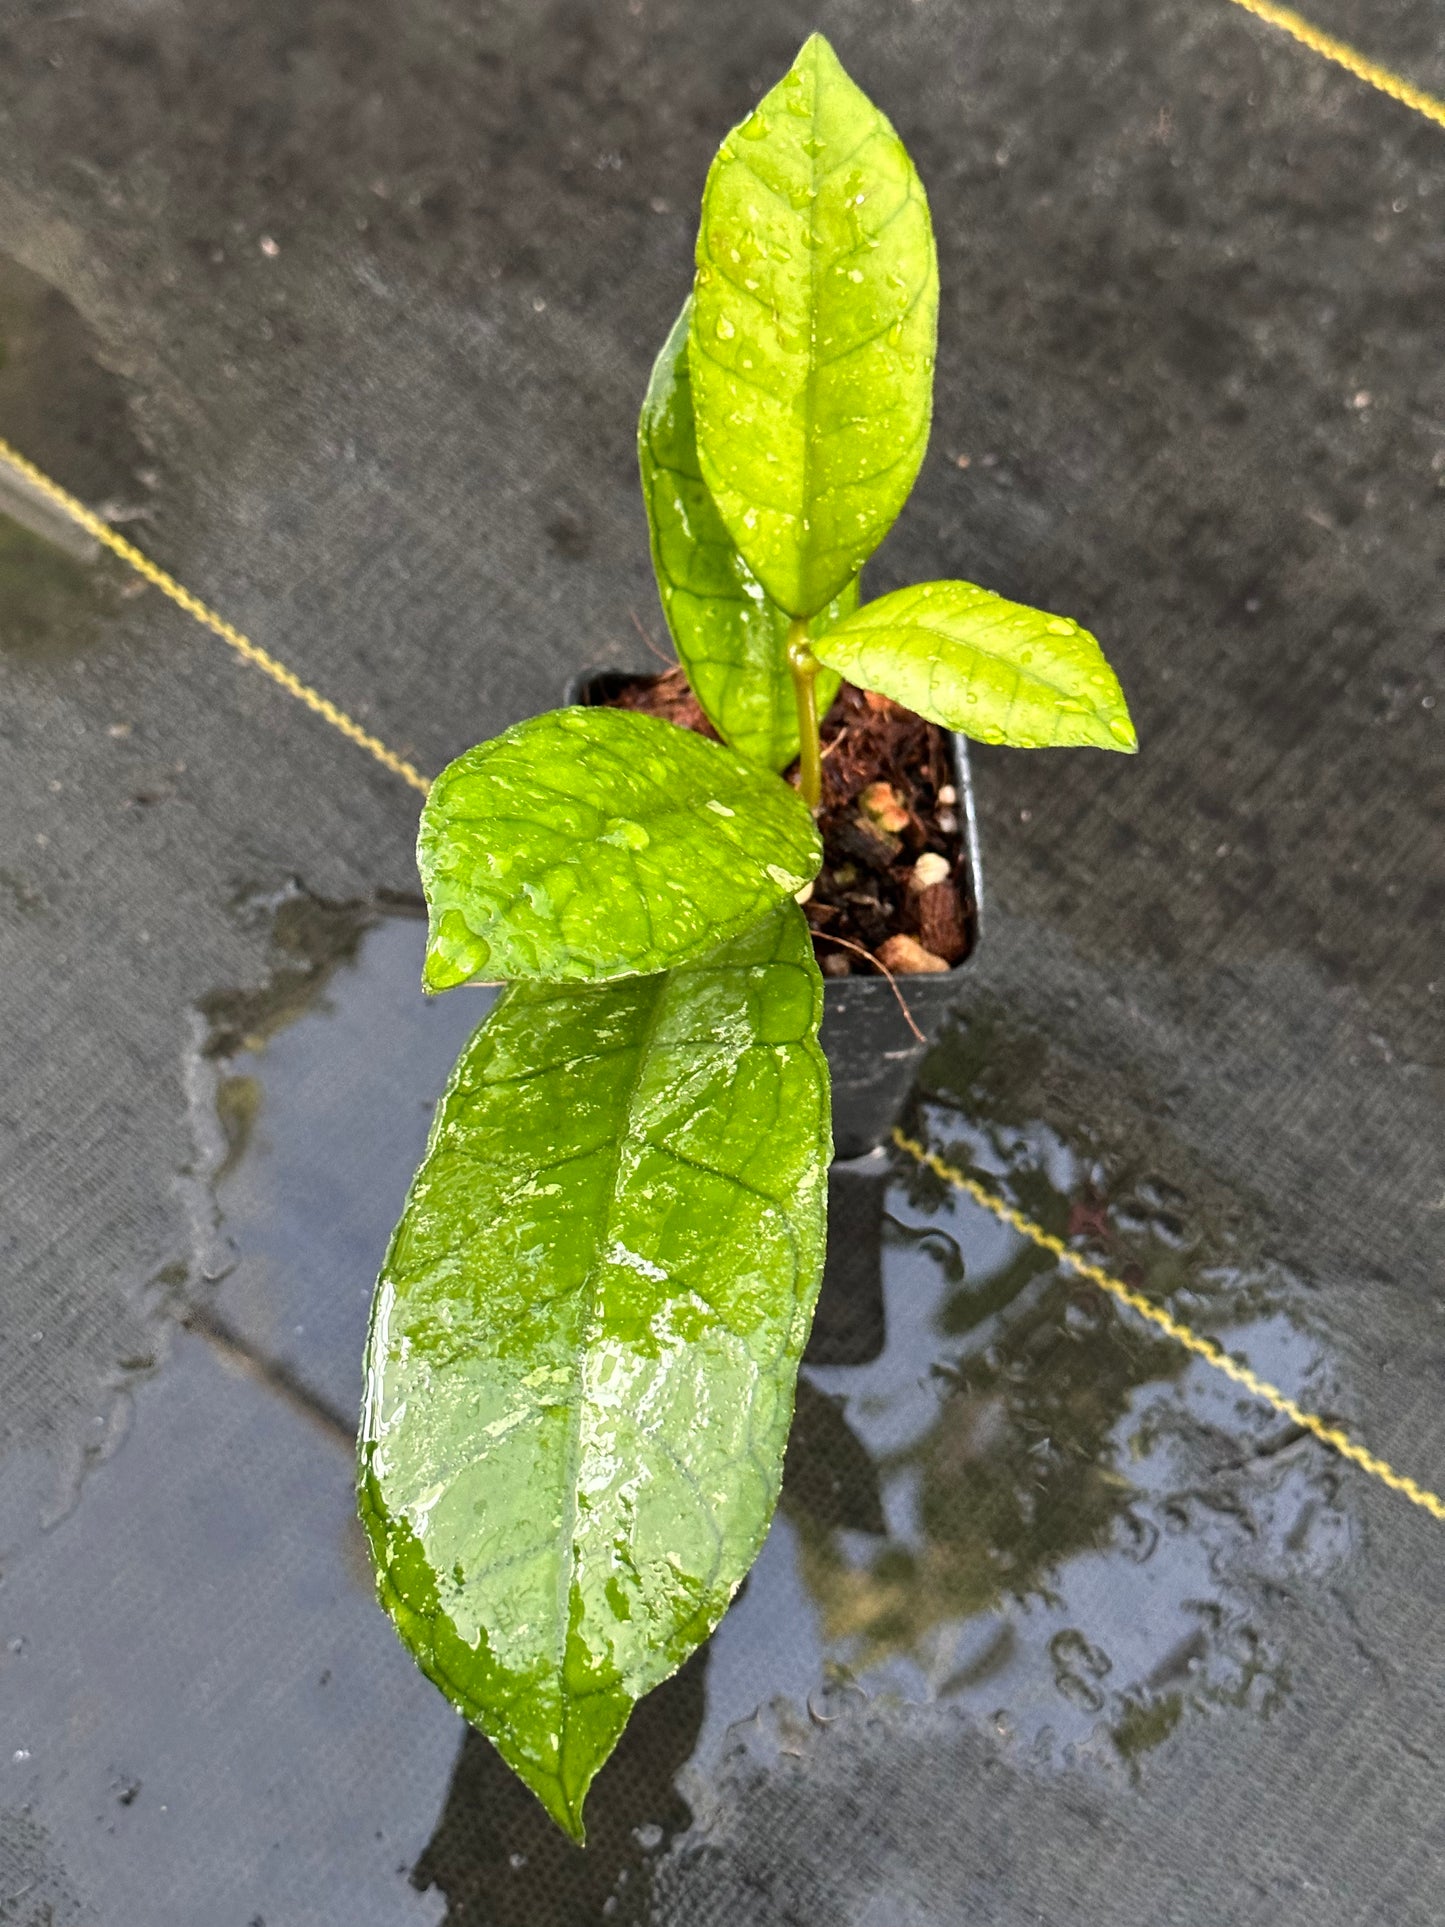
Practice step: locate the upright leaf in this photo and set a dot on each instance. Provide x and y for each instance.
(993, 669)
(595, 843)
(731, 636)
(813, 333)
(585, 1341)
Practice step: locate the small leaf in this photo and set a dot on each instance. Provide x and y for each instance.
(585, 1341)
(595, 843)
(993, 669)
(731, 636)
(813, 332)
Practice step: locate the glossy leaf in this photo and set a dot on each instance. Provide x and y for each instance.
(586, 1336)
(990, 668)
(813, 333)
(731, 636)
(595, 843)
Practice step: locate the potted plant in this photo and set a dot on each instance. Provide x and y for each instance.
(586, 1333)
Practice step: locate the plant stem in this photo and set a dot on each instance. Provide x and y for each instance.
(803, 667)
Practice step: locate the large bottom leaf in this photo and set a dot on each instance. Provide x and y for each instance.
(586, 1337)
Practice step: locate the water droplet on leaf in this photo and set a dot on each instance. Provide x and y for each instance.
(625, 833)
(454, 952)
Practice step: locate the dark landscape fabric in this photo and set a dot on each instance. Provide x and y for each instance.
(344, 314)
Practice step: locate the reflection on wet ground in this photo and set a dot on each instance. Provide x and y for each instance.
(1039, 1510)
(64, 409)
(998, 1494)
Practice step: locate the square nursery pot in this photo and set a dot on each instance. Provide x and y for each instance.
(871, 1051)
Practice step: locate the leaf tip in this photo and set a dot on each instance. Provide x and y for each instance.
(818, 53)
(565, 1812)
(818, 60)
(574, 1826)
(560, 1771)
(816, 43)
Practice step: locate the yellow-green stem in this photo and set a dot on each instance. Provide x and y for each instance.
(803, 667)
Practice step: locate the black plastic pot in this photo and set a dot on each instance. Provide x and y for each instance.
(872, 1052)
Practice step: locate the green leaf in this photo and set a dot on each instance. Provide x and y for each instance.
(813, 333)
(595, 843)
(585, 1341)
(731, 636)
(993, 669)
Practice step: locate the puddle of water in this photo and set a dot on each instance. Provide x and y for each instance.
(61, 406)
(1049, 1518)
(311, 1099)
(998, 1495)
(202, 1716)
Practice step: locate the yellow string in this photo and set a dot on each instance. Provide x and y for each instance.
(1205, 1348)
(1344, 55)
(249, 651)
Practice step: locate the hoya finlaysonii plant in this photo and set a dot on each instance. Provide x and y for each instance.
(586, 1334)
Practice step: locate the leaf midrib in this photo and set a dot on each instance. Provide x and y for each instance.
(567, 1564)
(816, 367)
(810, 387)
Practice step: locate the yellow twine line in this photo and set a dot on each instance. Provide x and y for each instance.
(248, 651)
(1344, 55)
(1205, 1348)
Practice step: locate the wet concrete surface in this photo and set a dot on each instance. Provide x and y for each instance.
(1190, 350)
